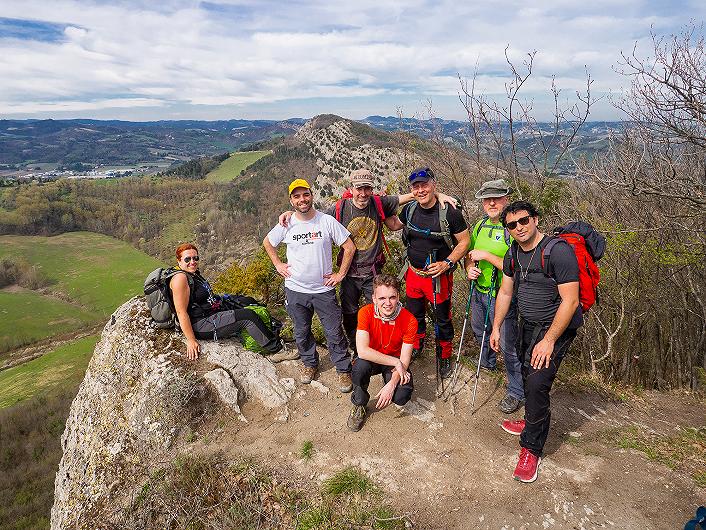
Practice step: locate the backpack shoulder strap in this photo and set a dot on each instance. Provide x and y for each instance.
(514, 269)
(547, 252)
(339, 205)
(411, 207)
(379, 208)
(480, 226)
(444, 225)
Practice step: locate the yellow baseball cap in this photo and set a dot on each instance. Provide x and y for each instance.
(298, 183)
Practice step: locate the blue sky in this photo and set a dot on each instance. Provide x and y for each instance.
(223, 59)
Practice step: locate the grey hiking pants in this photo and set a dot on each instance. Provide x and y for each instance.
(301, 308)
(230, 323)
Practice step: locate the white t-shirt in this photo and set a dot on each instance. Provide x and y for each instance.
(309, 250)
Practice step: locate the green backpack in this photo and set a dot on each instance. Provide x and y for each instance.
(272, 323)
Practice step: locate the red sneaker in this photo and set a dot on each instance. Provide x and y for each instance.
(514, 427)
(527, 465)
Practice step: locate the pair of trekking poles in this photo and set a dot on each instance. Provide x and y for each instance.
(436, 288)
(454, 377)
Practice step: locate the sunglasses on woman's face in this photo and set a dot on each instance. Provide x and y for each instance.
(524, 221)
(187, 259)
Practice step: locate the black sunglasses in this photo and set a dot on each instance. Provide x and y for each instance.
(188, 259)
(422, 173)
(524, 221)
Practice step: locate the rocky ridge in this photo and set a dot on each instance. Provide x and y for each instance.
(338, 151)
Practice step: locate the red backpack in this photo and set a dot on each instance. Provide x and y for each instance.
(588, 246)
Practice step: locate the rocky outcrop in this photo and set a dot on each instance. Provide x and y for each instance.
(139, 394)
(339, 151)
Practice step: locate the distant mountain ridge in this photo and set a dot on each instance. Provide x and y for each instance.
(111, 142)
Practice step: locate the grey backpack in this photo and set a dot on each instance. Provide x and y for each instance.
(159, 296)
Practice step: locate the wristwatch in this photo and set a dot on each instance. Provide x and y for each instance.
(449, 263)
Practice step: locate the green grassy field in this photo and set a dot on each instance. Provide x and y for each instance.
(231, 168)
(63, 367)
(27, 317)
(95, 271)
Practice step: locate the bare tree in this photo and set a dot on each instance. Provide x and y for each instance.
(494, 128)
(663, 150)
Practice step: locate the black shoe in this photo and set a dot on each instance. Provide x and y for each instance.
(356, 418)
(510, 404)
(417, 351)
(445, 368)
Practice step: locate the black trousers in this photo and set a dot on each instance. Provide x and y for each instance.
(230, 323)
(362, 372)
(351, 290)
(538, 383)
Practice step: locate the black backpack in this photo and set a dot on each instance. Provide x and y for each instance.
(159, 296)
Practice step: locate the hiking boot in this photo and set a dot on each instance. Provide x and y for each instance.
(417, 351)
(356, 418)
(527, 465)
(510, 404)
(345, 384)
(514, 427)
(307, 373)
(289, 352)
(445, 368)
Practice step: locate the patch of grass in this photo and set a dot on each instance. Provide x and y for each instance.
(234, 164)
(685, 451)
(700, 478)
(572, 440)
(315, 517)
(349, 480)
(94, 271)
(307, 450)
(28, 316)
(30, 450)
(63, 367)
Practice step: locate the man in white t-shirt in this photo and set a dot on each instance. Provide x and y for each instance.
(309, 280)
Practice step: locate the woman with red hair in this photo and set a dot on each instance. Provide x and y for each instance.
(205, 315)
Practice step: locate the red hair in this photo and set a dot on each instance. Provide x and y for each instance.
(183, 248)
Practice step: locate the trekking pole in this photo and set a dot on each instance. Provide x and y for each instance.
(454, 377)
(436, 287)
(493, 279)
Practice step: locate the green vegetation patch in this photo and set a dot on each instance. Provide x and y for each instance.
(27, 316)
(307, 450)
(95, 271)
(30, 450)
(233, 165)
(62, 368)
(685, 451)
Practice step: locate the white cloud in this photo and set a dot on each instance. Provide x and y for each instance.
(240, 54)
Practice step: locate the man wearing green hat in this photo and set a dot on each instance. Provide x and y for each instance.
(490, 242)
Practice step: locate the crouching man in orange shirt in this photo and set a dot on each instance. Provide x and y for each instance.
(384, 340)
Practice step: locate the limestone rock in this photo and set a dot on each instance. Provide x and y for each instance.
(138, 394)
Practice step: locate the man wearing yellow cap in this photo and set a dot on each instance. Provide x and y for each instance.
(309, 280)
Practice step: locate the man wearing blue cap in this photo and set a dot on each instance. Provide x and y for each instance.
(436, 238)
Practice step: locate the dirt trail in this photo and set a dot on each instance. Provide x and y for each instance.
(448, 469)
